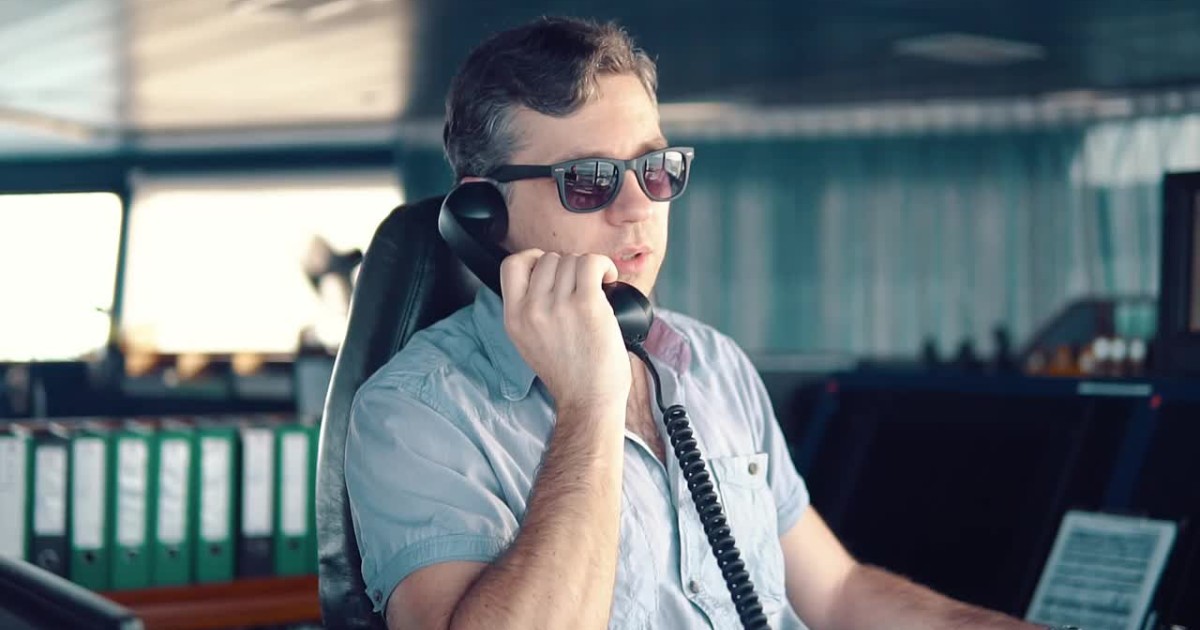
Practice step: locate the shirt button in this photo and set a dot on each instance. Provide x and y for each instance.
(753, 468)
(376, 595)
(694, 587)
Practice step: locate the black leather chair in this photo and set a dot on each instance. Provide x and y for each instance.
(409, 279)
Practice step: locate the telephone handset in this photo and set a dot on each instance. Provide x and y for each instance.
(473, 221)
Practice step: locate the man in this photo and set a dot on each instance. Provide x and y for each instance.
(507, 468)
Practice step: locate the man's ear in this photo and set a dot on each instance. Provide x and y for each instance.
(472, 178)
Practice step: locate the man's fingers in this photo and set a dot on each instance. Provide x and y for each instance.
(596, 269)
(564, 283)
(514, 274)
(541, 281)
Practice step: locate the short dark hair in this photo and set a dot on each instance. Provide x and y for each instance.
(550, 66)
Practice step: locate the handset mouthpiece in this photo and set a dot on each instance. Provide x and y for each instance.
(633, 311)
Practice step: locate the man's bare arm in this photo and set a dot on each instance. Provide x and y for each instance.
(832, 591)
(874, 598)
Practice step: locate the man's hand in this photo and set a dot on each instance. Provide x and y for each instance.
(560, 321)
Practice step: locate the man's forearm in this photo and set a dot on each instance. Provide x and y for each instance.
(560, 570)
(873, 598)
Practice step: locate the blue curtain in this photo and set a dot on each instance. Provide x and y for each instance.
(870, 246)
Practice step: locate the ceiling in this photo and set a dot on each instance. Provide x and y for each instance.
(97, 73)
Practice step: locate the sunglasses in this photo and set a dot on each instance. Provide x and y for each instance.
(591, 184)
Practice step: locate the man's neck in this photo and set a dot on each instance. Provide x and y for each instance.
(639, 417)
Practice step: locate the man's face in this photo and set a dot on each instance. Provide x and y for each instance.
(621, 122)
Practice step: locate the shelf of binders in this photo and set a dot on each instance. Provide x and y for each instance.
(211, 515)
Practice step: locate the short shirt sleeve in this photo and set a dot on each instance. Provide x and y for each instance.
(787, 486)
(421, 491)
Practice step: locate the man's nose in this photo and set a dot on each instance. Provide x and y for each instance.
(632, 204)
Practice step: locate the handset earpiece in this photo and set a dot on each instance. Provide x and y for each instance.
(473, 221)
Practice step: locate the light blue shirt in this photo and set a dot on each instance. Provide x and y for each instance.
(444, 445)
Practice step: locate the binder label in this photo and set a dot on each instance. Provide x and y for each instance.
(214, 489)
(87, 493)
(295, 484)
(173, 491)
(258, 466)
(12, 495)
(131, 492)
(50, 491)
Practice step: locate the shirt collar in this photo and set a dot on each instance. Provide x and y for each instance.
(664, 342)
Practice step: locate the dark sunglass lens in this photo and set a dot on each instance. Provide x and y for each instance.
(665, 174)
(589, 185)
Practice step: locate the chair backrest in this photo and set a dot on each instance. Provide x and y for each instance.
(409, 279)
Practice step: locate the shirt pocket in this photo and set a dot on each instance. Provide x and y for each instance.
(635, 591)
(754, 522)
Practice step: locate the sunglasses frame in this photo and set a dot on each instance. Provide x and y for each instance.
(506, 173)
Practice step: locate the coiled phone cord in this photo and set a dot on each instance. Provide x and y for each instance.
(708, 505)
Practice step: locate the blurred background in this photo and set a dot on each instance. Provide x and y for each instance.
(943, 231)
